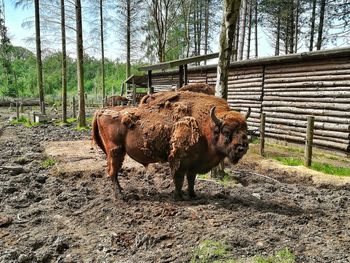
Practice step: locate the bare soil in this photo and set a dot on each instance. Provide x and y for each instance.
(67, 212)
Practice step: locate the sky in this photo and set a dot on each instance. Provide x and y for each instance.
(15, 17)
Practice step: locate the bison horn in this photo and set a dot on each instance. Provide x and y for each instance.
(217, 121)
(248, 113)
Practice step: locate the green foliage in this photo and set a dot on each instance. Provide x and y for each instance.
(79, 128)
(282, 256)
(24, 81)
(321, 167)
(48, 163)
(24, 121)
(211, 251)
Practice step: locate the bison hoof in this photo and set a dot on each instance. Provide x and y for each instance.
(192, 195)
(178, 197)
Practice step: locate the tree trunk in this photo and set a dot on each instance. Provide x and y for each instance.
(230, 17)
(39, 63)
(64, 63)
(227, 36)
(313, 17)
(102, 52)
(296, 29)
(291, 27)
(249, 28)
(206, 28)
(320, 25)
(80, 61)
(256, 27)
(278, 33)
(241, 49)
(128, 39)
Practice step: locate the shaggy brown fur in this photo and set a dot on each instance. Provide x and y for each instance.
(174, 127)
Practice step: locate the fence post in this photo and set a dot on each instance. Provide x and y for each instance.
(309, 139)
(73, 106)
(262, 133)
(22, 109)
(43, 107)
(17, 110)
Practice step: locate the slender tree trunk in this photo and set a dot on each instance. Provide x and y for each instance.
(249, 28)
(286, 40)
(320, 25)
(237, 36)
(206, 28)
(39, 64)
(230, 17)
(291, 27)
(296, 29)
(278, 33)
(313, 17)
(227, 36)
(256, 27)
(64, 63)
(80, 63)
(102, 52)
(128, 39)
(244, 22)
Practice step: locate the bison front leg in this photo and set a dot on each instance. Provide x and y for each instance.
(191, 177)
(178, 178)
(115, 161)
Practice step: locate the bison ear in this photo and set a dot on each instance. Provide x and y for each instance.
(248, 113)
(217, 121)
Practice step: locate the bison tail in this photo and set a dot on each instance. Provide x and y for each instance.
(96, 134)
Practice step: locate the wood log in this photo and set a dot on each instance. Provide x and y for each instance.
(249, 84)
(324, 133)
(245, 89)
(299, 116)
(253, 97)
(318, 112)
(318, 125)
(283, 79)
(309, 84)
(310, 89)
(308, 105)
(308, 73)
(302, 134)
(307, 99)
(298, 139)
(303, 93)
(233, 99)
(307, 67)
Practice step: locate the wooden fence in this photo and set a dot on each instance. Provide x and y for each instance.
(288, 89)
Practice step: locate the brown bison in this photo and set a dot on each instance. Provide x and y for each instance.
(199, 87)
(116, 100)
(191, 131)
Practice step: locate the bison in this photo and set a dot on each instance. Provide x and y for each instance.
(193, 132)
(116, 100)
(199, 87)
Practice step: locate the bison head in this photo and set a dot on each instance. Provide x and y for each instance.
(230, 134)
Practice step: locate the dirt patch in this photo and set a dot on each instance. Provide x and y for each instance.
(75, 218)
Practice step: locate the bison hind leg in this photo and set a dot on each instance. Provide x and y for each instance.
(116, 158)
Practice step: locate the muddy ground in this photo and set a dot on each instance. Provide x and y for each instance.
(67, 212)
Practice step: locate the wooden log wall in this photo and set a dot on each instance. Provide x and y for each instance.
(287, 91)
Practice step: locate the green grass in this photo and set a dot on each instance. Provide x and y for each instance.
(282, 256)
(82, 128)
(320, 167)
(24, 121)
(48, 163)
(210, 251)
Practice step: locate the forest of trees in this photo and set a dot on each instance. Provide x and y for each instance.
(151, 31)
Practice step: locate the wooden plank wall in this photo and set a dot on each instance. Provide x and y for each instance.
(288, 93)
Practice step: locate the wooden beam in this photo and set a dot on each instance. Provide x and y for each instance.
(149, 82)
(181, 76)
(179, 62)
(185, 75)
